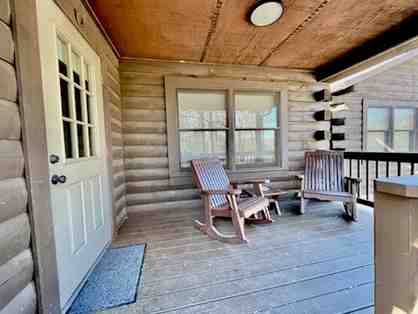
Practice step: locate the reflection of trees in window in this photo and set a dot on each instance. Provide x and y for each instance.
(203, 127)
(392, 129)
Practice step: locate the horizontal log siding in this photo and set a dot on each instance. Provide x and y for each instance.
(17, 292)
(112, 85)
(145, 136)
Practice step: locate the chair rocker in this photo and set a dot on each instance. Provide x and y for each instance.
(221, 198)
(324, 179)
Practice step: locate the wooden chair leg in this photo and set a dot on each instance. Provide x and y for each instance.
(303, 202)
(277, 208)
(354, 211)
(209, 228)
(263, 219)
(351, 210)
(238, 223)
(267, 215)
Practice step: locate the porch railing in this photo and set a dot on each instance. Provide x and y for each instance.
(368, 166)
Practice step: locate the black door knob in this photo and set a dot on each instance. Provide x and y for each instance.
(56, 179)
(53, 159)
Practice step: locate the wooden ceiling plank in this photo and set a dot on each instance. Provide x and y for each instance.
(310, 35)
(239, 42)
(212, 30)
(341, 26)
(297, 30)
(175, 29)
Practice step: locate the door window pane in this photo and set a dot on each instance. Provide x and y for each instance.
(78, 105)
(255, 147)
(201, 109)
(76, 62)
(255, 111)
(87, 77)
(68, 142)
(378, 118)
(81, 142)
(376, 142)
(205, 144)
(62, 57)
(89, 109)
(404, 119)
(401, 141)
(91, 142)
(65, 102)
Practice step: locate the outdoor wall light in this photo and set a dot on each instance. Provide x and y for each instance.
(266, 12)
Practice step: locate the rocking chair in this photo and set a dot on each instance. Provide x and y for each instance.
(221, 198)
(324, 180)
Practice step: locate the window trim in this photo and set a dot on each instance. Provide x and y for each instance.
(390, 132)
(230, 86)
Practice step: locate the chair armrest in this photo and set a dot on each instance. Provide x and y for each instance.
(251, 181)
(353, 180)
(222, 192)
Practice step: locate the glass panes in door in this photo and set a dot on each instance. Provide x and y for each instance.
(77, 102)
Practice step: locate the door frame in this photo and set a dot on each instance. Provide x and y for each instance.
(31, 103)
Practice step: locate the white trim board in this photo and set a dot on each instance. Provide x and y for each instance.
(373, 66)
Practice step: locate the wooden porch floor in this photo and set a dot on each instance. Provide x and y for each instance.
(316, 263)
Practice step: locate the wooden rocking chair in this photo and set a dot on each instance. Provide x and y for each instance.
(324, 180)
(221, 198)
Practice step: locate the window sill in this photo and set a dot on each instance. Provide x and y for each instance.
(180, 177)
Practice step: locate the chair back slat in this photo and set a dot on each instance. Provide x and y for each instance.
(324, 171)
(209, 174)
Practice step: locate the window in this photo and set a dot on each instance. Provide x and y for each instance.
(392, 129)
(256, 129)
(202, 125)
(244, 124)
(76, 96)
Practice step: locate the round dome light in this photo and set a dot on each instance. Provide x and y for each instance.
(266, 13)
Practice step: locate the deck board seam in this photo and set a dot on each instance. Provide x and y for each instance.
(323, 294)
(152, 261)
(264, 289)
(265, 273)
(362, 244)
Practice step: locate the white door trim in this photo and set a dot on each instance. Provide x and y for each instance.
(101, 135)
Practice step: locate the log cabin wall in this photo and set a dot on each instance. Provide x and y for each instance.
(145, 135)
(112, 99)
(17, 289)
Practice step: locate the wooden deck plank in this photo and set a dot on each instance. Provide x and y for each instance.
(316, 263)
(271, 297)
(353, 300)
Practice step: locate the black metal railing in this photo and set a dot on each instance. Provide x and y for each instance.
(368, 166)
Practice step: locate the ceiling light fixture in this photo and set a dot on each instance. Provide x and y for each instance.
(266, 12)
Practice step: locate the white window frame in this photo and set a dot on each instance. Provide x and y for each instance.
(230, 86)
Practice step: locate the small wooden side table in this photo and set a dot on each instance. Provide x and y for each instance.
(273, 196)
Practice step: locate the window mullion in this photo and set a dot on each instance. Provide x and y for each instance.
(391, 127)
(415, 133)
(230, 102)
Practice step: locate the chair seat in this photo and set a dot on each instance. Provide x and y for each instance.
(252, 205)
(328, 194)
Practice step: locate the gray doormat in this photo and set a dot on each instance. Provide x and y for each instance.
(113, 282)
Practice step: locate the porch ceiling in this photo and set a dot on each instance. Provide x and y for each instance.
(312, 34)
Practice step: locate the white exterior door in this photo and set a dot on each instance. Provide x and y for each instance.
(80, 191)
